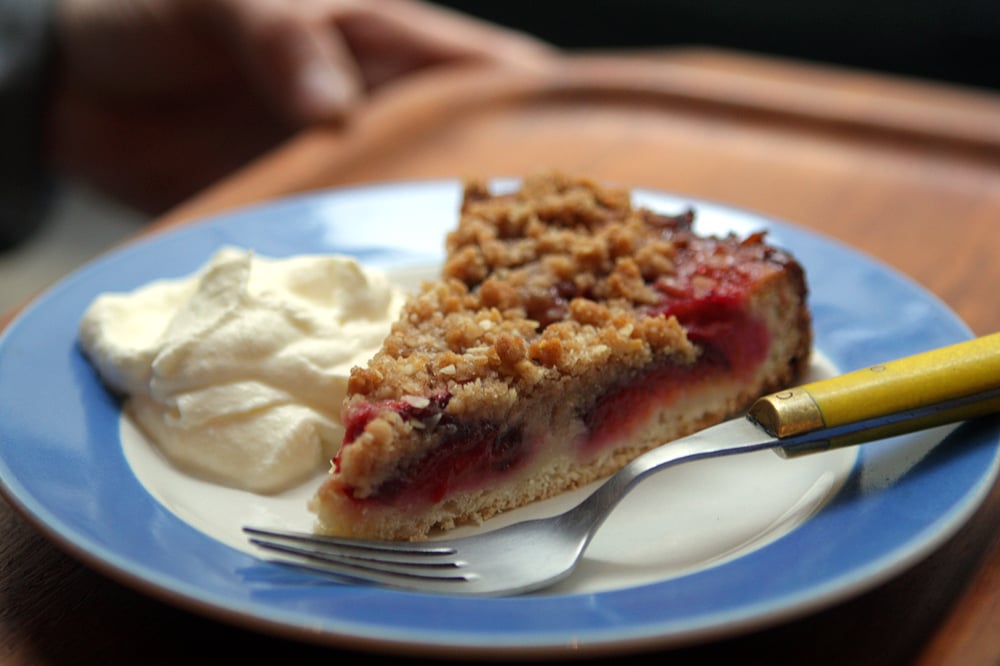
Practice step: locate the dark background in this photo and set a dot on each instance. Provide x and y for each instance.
(956, 41)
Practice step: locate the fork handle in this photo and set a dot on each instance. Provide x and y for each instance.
(944, 385)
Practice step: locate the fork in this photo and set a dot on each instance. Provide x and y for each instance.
(938, 387)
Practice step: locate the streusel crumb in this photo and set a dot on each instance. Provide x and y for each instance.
(497, 317)
(552, 351)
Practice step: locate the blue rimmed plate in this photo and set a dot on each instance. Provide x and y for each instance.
(896, 502)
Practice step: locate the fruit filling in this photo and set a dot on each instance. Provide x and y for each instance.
(730, 347)
(469, 456)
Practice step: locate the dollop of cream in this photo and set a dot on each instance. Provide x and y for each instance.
(237, 373)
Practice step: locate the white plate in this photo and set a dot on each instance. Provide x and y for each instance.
(789, 553)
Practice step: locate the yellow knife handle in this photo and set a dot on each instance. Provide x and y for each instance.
(935, 377)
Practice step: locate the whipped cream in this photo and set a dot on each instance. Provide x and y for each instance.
(238, 372)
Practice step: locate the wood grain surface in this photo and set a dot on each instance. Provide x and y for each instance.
(904, 171)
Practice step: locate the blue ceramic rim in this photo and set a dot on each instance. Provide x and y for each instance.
(68, 476)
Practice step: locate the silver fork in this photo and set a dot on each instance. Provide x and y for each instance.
(934, 388)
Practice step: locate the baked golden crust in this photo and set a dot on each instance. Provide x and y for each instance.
(555, 300)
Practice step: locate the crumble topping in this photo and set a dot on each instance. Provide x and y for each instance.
(556, 285)
(569, 332)
(496, 321)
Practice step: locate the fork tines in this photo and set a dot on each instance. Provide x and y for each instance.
(359, 559)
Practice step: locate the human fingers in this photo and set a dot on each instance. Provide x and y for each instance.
(314, 58)
(393, 37)
(299, 61)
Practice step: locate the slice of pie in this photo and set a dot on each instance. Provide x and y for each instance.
(570, 332)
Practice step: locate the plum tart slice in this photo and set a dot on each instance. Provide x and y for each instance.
(569, 332)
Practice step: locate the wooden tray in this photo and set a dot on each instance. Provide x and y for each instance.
(909, 173)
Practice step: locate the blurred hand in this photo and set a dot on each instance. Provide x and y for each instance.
(155, 99)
